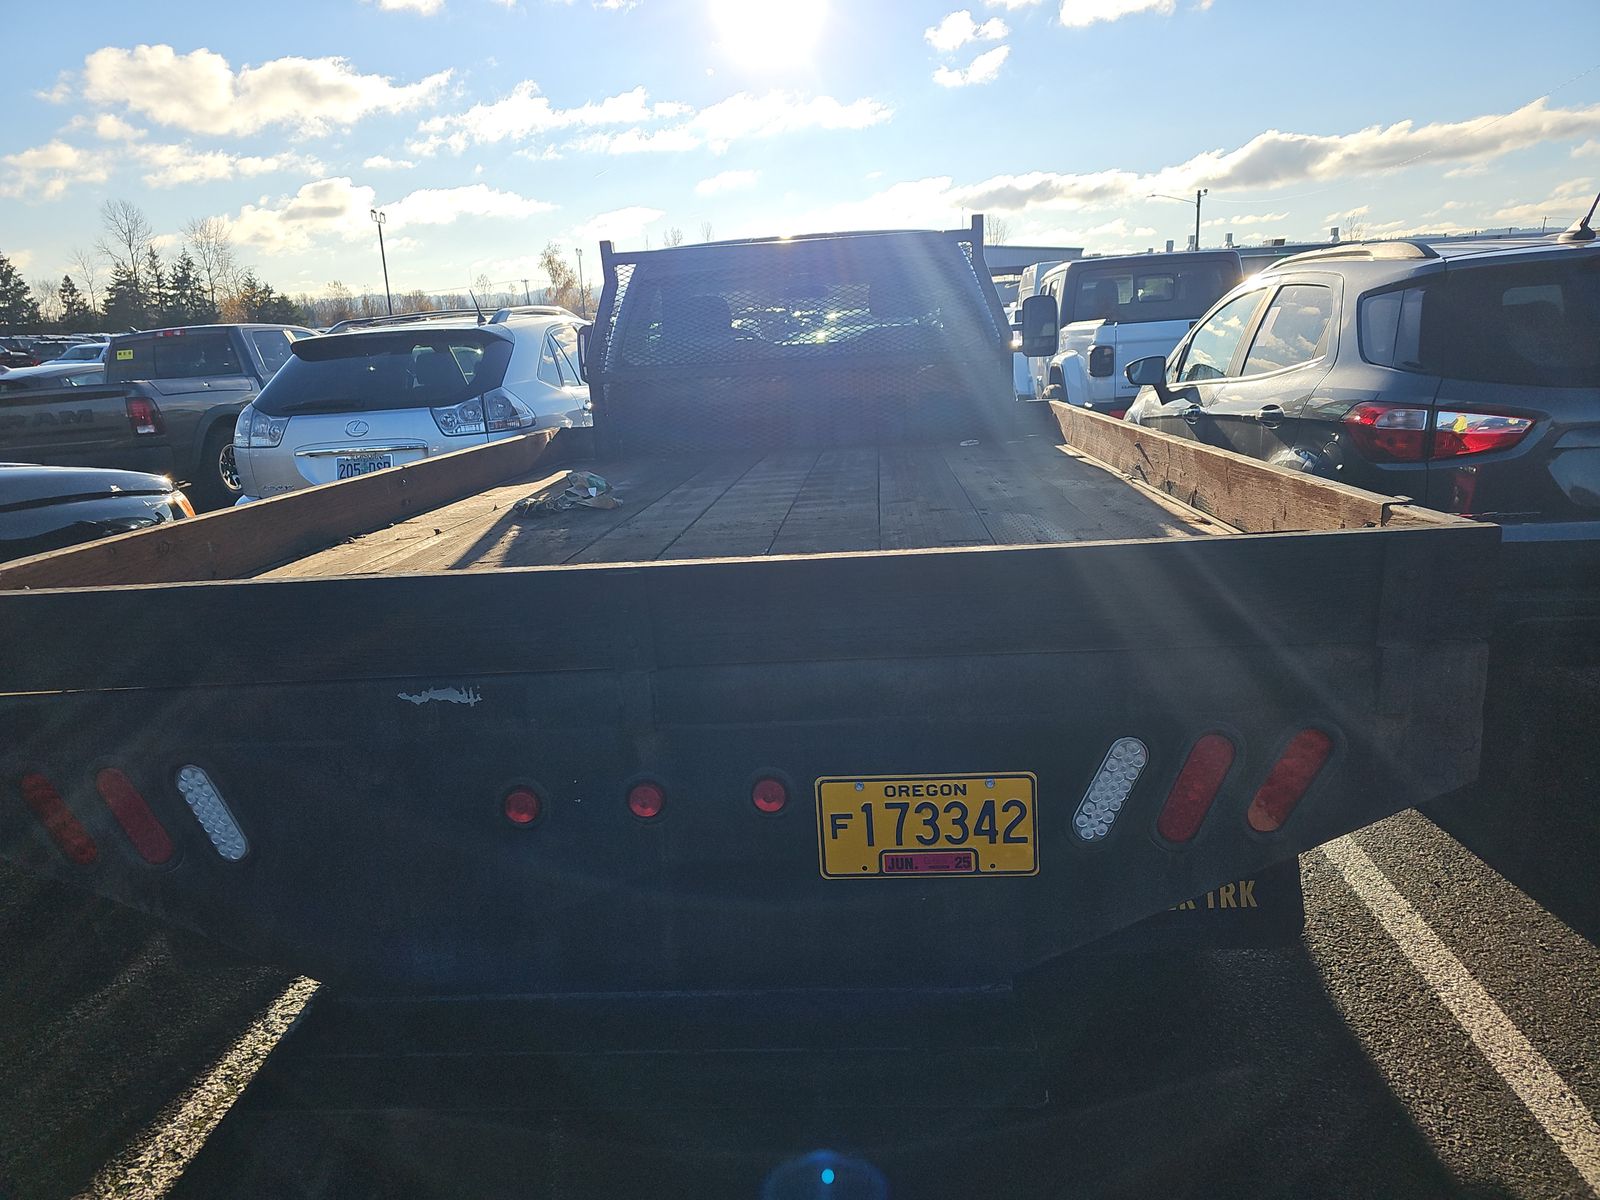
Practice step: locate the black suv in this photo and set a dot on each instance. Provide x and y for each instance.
(1464, 375)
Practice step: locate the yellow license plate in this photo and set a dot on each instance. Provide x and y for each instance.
(927, 825)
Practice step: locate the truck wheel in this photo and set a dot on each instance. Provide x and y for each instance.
(216, 483)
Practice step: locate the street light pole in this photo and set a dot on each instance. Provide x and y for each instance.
(379, 218)
(1200, 194)
(527, 296)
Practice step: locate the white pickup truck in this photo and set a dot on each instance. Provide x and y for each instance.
(1115, 310)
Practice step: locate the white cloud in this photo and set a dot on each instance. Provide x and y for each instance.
(957, 29)
(1592, 146)
(983, 69)
(620, 225)
(742, 116)
(1246, 219)
(318, 210)
(443, 206)
(726, 181)
(424, 8)
(1275, 159)
(172, 166)
(1351, 214)
(382, 162)
(1011, 5)
(338, 208)
(45, 172)
(21, 259)
(1075, 14)
(200, 92)
(525, 113)
(108, 127)
(1565, 204)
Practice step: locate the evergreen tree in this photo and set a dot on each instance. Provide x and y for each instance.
(18, 309)
(153, 285)
(76, 315)
(188, 300)
(260, 302)
(125, 306)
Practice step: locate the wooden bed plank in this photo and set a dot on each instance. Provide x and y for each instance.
(648, 532)
(746, 518)
(1016, 508)
(837, 508)
(921, 505)
(509, 540)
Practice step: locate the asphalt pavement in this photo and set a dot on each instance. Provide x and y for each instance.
(1436, 1034)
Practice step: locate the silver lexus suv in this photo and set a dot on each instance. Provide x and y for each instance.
(381, 393)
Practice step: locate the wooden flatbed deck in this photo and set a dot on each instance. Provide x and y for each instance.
(1025, 492)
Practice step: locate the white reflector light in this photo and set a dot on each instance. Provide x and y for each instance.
(203, 799)
(1109, 788)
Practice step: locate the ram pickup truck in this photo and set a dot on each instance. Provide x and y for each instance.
(166, 406)
(1116, 310)
(865, 682)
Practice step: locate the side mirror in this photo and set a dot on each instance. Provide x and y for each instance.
(1146, 372)
(1041, 334)
(583, 352)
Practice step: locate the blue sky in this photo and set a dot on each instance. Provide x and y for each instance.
(486, 128)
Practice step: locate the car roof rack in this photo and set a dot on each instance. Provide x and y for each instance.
(1385, 251)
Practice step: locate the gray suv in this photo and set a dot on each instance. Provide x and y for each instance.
(1464, 375)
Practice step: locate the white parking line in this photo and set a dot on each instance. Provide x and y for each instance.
(1526, 1072)
(152, 1163)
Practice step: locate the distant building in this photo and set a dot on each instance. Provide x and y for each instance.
(1006, 264)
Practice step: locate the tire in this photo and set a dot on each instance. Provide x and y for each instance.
(216, 476)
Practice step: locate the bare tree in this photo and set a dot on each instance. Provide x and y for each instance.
(997, 230)
(47, 294)
(127, 237)
(211, 246)
(87, 262)
(674, 237)
(706, 232)
(563, 289)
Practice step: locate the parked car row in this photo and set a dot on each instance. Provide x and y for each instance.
(1463, 375)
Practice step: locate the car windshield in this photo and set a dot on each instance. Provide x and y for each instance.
(364, 372)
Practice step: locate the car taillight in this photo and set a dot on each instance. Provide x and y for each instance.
(505, 412)
(460, 419)
(1102, 360)
(1396, 433)
(144, 831)
(1290, 778)
(143, 415)
(522, 806)
(1456, 434)
(646, 799)
(1195, 788)
(1110, 788)
(1387, 432)
(769, 795)
(254, 430)
(200, 793)
(58, 820)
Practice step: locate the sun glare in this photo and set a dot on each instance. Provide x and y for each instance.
(769, 33)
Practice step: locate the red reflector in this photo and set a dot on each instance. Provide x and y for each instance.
(144, 831)
(64, 828)
(522, 806)
(645, 800)
(769, 795)
(1195, 788)
(143, 415)
(1291, 775)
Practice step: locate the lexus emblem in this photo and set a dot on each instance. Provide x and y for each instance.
(356, 429)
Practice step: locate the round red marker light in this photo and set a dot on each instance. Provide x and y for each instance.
(522, 806)
(645, 800)
(769, 795)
